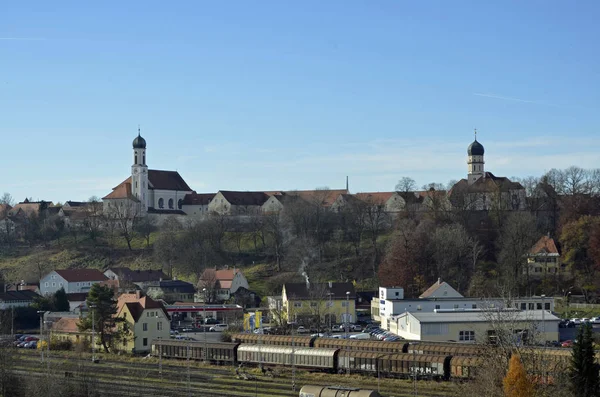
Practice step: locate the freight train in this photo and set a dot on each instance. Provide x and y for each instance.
(332, 360)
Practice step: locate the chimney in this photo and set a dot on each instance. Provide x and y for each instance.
(330, 285)
(439, 280)
(138, 294)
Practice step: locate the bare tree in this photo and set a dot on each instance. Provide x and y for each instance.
(7, 199)
(406, 184)
(208, 283)
(145, 227)
(125, 214)
(376, 221)
(93, 219)
(276, 234)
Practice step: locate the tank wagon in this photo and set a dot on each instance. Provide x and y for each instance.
(332, 391)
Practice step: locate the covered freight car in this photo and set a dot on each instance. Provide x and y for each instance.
(275, 340)
(332, 391)
(360, 345)
(216, 352)
(301, 357)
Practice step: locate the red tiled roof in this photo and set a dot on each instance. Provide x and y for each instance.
(74, 275)
(375, 197)
(198, 198)
(137, 305)
(122, 191)
(545, 245)
(67, 325)
(325, 197)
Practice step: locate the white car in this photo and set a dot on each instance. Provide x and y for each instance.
(576, 321)
(360, 336)
(595, 320)
(218, 328)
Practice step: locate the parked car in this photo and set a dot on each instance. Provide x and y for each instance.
(595, 320)
(567, 343)
(337, 328)
(361, 336)
(302, 330)
(393, 338)
(355, 328)
(218, 328)
(576, 321)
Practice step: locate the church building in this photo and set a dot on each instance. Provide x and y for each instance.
(147, 191)
(482, 190)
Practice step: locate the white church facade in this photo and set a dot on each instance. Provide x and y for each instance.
(147, 191)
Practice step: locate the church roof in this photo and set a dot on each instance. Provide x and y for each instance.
(475, 149)
(122, 191)
(167, 180)
(489, 183)
(139, 142)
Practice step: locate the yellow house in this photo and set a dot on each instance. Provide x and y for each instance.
(319, 304)
(66, 329)
(144, 320)
(543, 259)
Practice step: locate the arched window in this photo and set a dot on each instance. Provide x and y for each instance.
(135, 159)
(161, 203)
(180, 204)
(144, 157)
(170, 203)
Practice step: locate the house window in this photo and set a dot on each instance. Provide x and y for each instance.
(78, 284)
(418, 307)
(547, 306)
(397, 293)
(538, 306)
(464, 336)
(456, 306)
(313, 304)
(297, 304)
(180, 204)
(171, 204)
(523, 306)
(437, 306)
(161, 203)
(159, 326)
(54, 284)
(47, 283)
(145, 326)
(473, 306)
(531, 306)
(145, 341)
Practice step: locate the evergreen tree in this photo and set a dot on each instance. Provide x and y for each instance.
(60, 302)
(102, 308)
(516, 383)
(585, 380)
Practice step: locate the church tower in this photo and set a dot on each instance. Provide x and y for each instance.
(475, 161)
(139, 172)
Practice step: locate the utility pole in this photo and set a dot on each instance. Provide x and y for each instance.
(293, 361)
(92, 308)
(189, 382)
(41, 314)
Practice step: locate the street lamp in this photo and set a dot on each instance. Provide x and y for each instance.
(92, 308)
(41, 314)
(347, 308)
(330, 294)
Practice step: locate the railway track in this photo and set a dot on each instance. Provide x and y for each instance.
(143, 378)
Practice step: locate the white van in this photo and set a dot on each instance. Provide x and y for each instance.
(218, 328)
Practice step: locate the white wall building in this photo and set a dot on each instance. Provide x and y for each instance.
(72, 280)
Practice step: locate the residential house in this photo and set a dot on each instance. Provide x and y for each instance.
(221, 284)
(543, 259)
(476, 326)
(228, 202)
(77, 301)
(171, 291)
(144, 320)
(66, 328)
(319, 303)
(127, 278)
(29, 208)
(197, 203)
(72, 280)
(13, 299)
(277, 202)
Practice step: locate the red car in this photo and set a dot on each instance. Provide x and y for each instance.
(567, 343)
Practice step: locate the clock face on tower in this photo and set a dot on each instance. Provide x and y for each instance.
(135, 171)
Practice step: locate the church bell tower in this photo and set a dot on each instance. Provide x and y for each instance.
(139, 172)
(475, 161)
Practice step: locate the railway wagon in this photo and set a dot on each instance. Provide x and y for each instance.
(332, 391)
(275, 340)
(216, 352)
(359, 345)
(302, 357)
(425, 366)
(463, 367)
(442, 348)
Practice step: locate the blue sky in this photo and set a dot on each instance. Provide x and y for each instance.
(272, 95)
